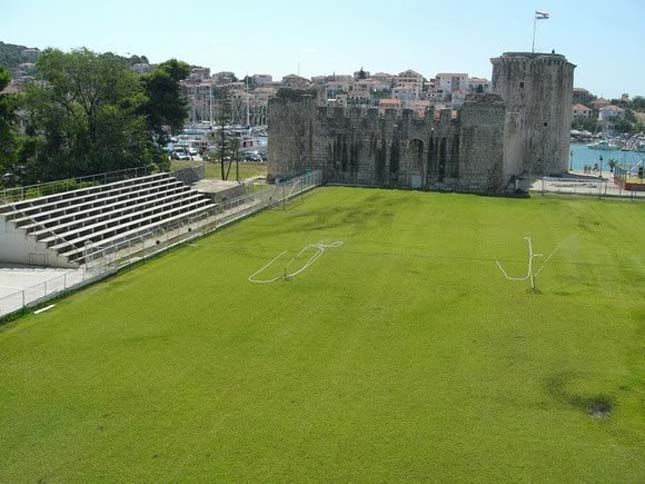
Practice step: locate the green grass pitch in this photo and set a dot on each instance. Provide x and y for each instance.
(403, 355)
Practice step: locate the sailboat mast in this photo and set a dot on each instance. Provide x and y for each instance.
(248, 109)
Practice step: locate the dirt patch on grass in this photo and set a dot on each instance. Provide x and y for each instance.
(599, 406)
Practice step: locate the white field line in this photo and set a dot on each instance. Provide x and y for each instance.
(320, 250)
(44, 309)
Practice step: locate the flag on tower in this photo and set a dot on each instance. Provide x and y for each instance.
(541, 15)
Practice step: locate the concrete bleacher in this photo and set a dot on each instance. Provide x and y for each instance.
(57, 229)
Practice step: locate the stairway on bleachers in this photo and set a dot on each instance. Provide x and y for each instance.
(64, 224)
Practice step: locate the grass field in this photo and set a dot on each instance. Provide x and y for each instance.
(248, 169)
(403, 355)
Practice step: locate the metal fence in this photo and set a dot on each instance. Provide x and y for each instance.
(101, 261)
(571, 186)
(583, 186)
(17, 194)
(48, 289)
(125, 252)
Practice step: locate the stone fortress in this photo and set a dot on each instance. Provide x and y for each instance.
(520, 129)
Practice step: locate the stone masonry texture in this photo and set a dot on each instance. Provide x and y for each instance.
(521, 128)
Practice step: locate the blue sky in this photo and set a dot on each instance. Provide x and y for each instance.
(604, 38)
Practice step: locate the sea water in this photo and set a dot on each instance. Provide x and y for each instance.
(580, 155)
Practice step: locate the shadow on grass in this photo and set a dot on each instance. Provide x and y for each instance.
(599, 406)
(355, 218)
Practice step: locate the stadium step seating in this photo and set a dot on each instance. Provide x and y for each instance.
(106, 215)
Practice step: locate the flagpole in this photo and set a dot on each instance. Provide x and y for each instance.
(534, 26)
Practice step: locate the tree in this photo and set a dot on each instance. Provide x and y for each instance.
(84, 115)
(164, 108)
(638, 103)
(138, 59)
(582, 96)
(8, 136)
(586, 124)
(624, 125)
(228, 145)
(249, 82)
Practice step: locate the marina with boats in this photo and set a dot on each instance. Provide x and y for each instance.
(603, 142)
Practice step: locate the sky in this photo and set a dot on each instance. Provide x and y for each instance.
(603, 38)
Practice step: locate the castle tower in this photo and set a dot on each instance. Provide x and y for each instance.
(538, 92)
(291, 132)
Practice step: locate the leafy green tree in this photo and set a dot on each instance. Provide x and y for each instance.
(583, 97)
(8, 137)
(228, 147)
(638, 103)
(84, 115)
(623, 126)
(11, 55)
(164, 109)
(588, 124)
(136, 59)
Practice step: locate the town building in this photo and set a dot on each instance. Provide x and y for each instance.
(141, 68)
(611, 113)
(388, 103)
(580, 112)
(200, 99)
(262, 79)
(410, 81)
(30, 54)
(199, 74)
(292, 81)
(224, 77)
(479, 85)
(384, 77)
(449, 82)
(599, 103)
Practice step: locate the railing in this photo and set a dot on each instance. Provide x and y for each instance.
(101, 261)
(18, 194)
(42, 227)
(583, 186)
(124, 252)
(47, 289)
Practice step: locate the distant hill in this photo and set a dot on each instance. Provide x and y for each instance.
(11, 55)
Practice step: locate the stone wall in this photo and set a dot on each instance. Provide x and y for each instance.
(358, 146)
(538, 92)
(481, 160)
(189, 175)
(291, 115)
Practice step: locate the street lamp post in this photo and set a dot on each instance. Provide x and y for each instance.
(600, 166)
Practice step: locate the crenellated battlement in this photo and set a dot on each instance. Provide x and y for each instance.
(538, 91)
(478, 147)
(530, 57)
(372, 114)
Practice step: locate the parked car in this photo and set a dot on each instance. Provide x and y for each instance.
(250, 156)
(181, 155)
